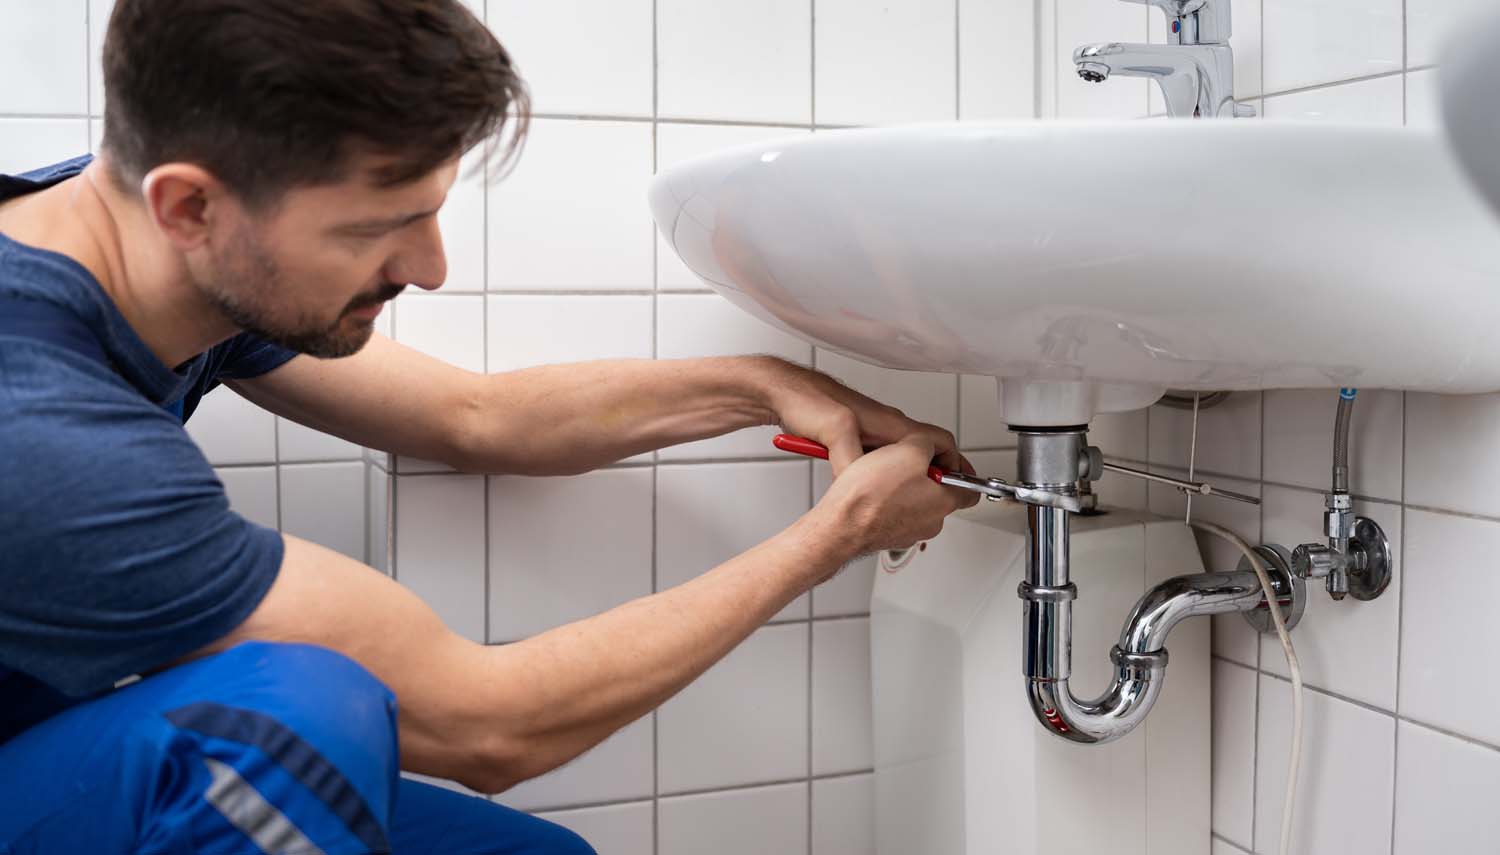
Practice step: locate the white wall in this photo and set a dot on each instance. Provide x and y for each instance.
(1403, 749)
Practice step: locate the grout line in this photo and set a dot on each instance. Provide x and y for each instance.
(1316, 87)
(1214, 835)
(1400, 585)
(655, 455)
(732, 788)
(276, 449)
(485, 350)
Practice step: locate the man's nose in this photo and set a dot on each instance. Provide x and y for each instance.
(420, 260)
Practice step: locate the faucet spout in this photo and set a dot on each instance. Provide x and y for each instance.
(1194, 79)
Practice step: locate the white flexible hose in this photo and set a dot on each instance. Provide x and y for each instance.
(1292, 665)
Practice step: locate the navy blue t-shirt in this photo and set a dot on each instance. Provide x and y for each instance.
(118, 550)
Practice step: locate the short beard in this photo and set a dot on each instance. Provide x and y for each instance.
(248, 282)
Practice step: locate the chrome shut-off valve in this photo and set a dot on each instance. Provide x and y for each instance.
(1357, 558)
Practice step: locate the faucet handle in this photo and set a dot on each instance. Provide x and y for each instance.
(1195, 22)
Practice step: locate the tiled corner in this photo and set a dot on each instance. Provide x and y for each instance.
(676, 142)
(1365, 102)
(843, 815)
(626, 829)
(705, 48)
(708, 513)
(842, 729)
(325, 503)
(617, 769)
(1346, 749)
(742, 822)
(377, 518)
(573, 214)
(440, 547)
(849, 591)
(580, 57)
(449, 328)
(1233, 750)
(1346, 647)
(923, 395)
(527, 330)
(41, 59)
(996, 60)
(853, 90)
(1448, 628)
(229, 429)
(1445, 793)
(1450, 459)
(1299, 440)
(564, 549)
(1300, 49)
(252, 493)
(743, 722)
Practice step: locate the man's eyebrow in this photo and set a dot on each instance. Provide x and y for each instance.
(382, 222)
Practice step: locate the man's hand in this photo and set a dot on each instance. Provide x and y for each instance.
(816, 406)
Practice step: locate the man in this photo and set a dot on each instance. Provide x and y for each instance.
(268, 178)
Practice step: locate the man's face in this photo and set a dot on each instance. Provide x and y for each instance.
(313, 273)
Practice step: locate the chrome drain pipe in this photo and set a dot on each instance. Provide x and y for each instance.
(1047, 460)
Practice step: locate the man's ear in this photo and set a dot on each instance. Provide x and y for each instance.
(183, 201)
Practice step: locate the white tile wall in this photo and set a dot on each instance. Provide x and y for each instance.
(566, 252)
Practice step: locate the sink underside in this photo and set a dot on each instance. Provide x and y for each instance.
(1132, 256)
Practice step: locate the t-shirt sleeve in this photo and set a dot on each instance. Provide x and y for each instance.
(251, 356)
(118, 550)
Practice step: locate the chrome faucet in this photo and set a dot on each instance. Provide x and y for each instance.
(1195, 69)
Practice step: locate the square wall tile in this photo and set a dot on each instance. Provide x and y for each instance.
(981, 424)
(1450, 459)
(1448, 628)
(843, 815)
(996, 60)
(707, 514)
(529, 330)
(741, 822)
(573, 214)
(440, 547)
(1300, 49)
(99, 12)
(1229, 440)
(697, 325)
(617, 829)
(1122, 436)
(923, 395)
(1431, 24)
(1233, 750)
(1345, 749)
(589, 57)
(842, 731)
(42, 60)
(743, 721)
(1366, 102)
(298, 443)
(461, 221)
(446, 327)
(617, 769)
(378, 524)
(678, 142)
(706, 48)
(1345, 647)
(230, 429)
(1081, 22)
(857, 83)
(1445, 794)
(252, 493)
(849, 591)
(325, 503)
(563, 549)
(1299, 440)
(27, 144)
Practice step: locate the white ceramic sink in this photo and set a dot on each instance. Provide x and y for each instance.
(1091, 266)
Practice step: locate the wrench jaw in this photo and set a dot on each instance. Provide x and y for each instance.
(1000, 491)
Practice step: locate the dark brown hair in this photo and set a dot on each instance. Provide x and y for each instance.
(273, 94)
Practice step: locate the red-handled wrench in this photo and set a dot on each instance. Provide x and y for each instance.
(812, 448)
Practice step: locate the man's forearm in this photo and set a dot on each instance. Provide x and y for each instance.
(566, 419)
